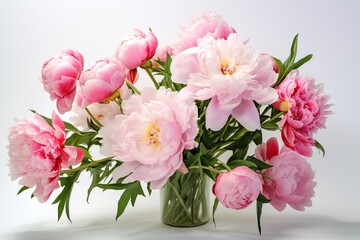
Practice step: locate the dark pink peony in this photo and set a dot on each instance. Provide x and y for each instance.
(37, 154)
(306, 108)
(59, 75)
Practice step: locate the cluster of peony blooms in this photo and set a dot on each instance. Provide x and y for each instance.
(211, 91)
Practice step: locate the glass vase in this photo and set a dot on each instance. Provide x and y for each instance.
(185, 199)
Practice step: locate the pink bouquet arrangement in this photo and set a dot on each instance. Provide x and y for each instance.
(213, 94)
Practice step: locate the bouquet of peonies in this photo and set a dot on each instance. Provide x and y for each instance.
(213, 94)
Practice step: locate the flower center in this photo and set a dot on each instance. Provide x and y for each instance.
(284, 105)
(227, 67)
(152, 135)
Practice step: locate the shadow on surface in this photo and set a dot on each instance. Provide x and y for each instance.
(148, 226)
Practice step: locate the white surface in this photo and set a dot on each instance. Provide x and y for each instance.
(32, 31)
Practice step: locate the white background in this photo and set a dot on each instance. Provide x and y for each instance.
(32, 31)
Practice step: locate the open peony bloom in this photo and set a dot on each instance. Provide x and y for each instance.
(101, 80)
(59, 75)
(238, 188)
(207, 24)
(136, 49)
(292, 179)
(232, 75)
(37, 154)
(306, 110)
(151, 135)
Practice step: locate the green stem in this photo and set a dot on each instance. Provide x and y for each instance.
(274, 117)
(225, 128)
(93, 118)
(180, 199)
(119, 101)
(152, 78)
(205, 167)
(224, 165)
(82, 167)
(132, 87)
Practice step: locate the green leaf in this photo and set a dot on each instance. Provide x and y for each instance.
(261, 198)
(258, 214)
(63, 199)
(113, 186)
(148, 188)
(260, 164)
(216, 203)
(290, 60)
(239, 162)
(239, 154)
(302, 61)
(22, 189)
(257, 137)
(272, 126)
(203, 149)
(95, 174)
(131, 192)
(320, 147)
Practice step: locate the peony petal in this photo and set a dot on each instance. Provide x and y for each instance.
(125, 169)
(272, 148)
(75, 155)
(215, 117)
(184, 64)
(96, 90)
(183, 168)
(247, 115)
(59, 126)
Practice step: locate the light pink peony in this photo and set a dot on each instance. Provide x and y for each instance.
(292, 179)
(59, 75)
(136, 49)
(100, 81)
(207, 24)
(232, 75)
(306, 110)
(37, 154)
(151, 135)
(238, 188)
(161, 53)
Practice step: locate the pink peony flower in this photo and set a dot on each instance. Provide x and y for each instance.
(232, 75)
(37, 154)
(207, 24)
(151, 135)
(59, 75)
(306, 110)
(292, 179)
(100, 81)
(136, 49)
(239, 188)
